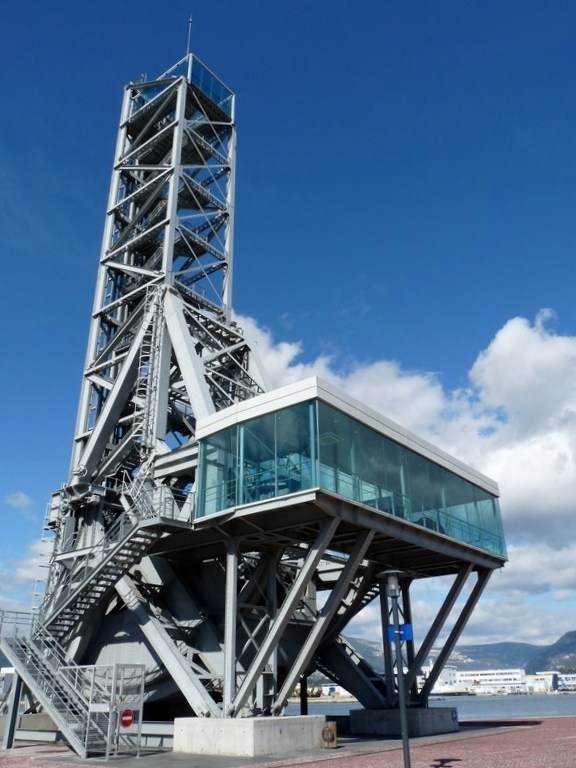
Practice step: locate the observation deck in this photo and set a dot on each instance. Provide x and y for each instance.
(276, 466)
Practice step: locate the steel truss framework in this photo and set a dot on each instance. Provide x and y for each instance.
(226, 618)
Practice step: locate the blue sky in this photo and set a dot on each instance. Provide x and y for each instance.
(404, 226)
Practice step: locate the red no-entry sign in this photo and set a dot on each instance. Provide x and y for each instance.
(126, 718)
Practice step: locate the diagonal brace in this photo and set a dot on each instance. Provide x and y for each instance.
(323, 621)
(315, 554)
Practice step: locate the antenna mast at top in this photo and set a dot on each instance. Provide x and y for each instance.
(189, 35)
(188, 43)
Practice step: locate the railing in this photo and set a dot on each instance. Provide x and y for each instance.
(38, 658)
(251, 487)
(146, 503)
(152, 501)
(18, 626)
(84, 701)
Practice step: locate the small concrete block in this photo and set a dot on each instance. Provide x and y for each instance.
(386, 722)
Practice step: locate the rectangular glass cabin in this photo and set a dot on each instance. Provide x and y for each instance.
(309, 436)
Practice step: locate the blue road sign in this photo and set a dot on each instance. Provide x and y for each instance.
(404, 632)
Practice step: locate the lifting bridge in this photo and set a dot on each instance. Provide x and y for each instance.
(214, 534)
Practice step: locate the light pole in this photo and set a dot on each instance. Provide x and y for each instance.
(393, 591)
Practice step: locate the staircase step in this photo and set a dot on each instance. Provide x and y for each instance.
(87, 588)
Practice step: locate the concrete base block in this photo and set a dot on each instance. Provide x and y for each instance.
(247, 736)
(37, 727)
(386, 722)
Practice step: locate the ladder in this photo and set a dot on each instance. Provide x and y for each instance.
(149, 368)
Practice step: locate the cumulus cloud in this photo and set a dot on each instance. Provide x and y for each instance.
(528, 371)
(23, 581)
(515, 421)
(18, 500)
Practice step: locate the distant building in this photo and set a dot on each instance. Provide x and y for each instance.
(500, 682)
(493, 681)
(550, 682)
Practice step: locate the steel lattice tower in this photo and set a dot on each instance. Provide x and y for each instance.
(163, 351)
(220, 611)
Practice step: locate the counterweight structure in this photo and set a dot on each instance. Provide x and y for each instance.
(226, 575)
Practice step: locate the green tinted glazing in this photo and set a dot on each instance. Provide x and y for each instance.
(219, 472)
(314, 445)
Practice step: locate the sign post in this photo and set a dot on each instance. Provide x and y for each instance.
(399, 633)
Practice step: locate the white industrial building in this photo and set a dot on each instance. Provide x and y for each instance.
(501, 682)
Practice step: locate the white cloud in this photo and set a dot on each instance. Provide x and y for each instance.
(516, 422)
(529, 372)
(18, 500)
(23, 580)
(23, 505)
(33, 568)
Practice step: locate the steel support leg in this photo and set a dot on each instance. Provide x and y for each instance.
(285, 612)
(230, 623)
(387, 648)
(189, 683)
(439, 622)
(322, 622)
(12, 716)
(483, 577)
(409, 644)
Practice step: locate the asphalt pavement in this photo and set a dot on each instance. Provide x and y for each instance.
(527, 743)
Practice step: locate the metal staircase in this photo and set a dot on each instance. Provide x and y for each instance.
(148, 512)
(40, 662)
(362, 591)
(340, 661)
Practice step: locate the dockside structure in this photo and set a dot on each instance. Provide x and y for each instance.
(215, 538)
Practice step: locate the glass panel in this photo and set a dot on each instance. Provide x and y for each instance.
(277, 454)
(424, 487)
(274, 455)
(293, 449)
(218, 475)
(336, 451)
(211, 86)
(362, 465)
(259, 458)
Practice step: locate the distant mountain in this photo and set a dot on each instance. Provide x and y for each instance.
(371, 651)
(560, 655)
(494, 656)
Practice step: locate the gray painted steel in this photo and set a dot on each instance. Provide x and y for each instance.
(223, 612)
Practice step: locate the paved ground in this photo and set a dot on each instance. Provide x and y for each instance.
(547, 743)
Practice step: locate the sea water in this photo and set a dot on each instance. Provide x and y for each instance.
(471, 707)
(512, 706)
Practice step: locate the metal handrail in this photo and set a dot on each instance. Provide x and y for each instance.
(149, 503)
(60, 688)
(37, 638)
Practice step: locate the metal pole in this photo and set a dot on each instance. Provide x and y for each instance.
(393, 593)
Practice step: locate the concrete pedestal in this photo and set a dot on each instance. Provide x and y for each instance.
(386, 722)
(247, 736)
(38, 727)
